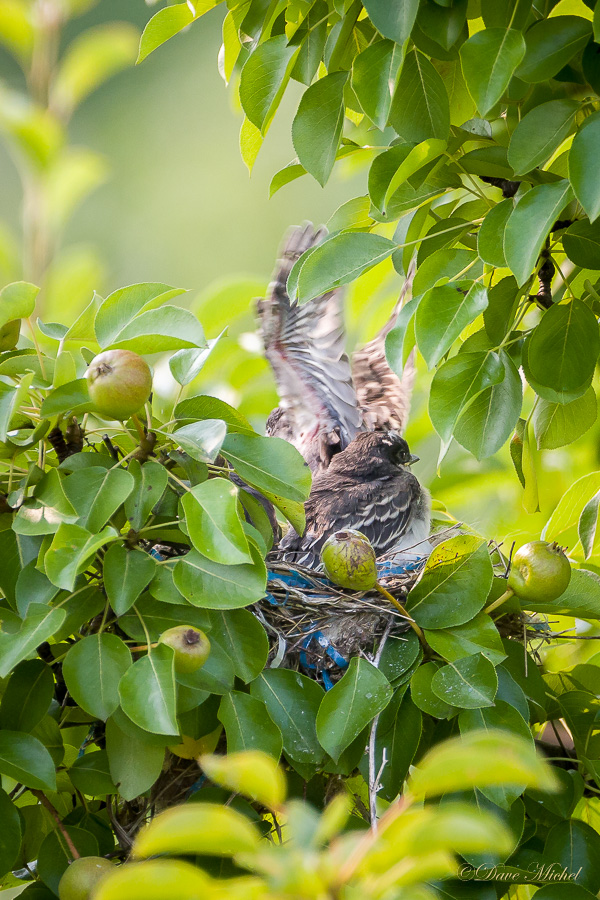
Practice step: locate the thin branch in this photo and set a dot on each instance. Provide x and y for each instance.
(55, 815)
(374, 779)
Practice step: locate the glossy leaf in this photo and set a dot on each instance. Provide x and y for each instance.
(135, 762)
(563, 349)
(126, 573)
(442, 315)
(202, 440)
(147, 692)
(394, 21)
(427, 115)
(373, 71)
(458, 567)
(551, 43)
(93, 669)
(581, 242)
(479, 635)
(468, 683)
(96, 493)
(243, 639)
(340, 260)
(217, 586)
(270, 464)
(120, 308)
(588, 523)
(154, 879)
(213, 521)
(197, 828)
(248, 725)
(350, 705)
(584, 150)
(530, 223)
(490, 419)
(17, 301)
(489, 59)
(38, 626)
(558, 424)
(164, 25)
(70, 551)
(539, 133)
(252, 773)
(398, 734)
(27, 696)
(292, 701)
(491, 233)
(90, 774)
(576, 845)
(25, 759)
(149, 483)
(317, 127)
(264, 78)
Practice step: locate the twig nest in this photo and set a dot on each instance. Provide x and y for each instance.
(540, 572)
(349, 560)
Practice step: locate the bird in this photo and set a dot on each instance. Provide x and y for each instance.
(369, 487)
(326, 399)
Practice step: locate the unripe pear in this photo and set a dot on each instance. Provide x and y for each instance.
(191, 647)
(119, 382)
(349, 560)
(82, 876)
(540, 572)
(9, 335)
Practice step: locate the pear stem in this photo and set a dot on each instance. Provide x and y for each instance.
(385, 593)
(508, 593)
(139, 427)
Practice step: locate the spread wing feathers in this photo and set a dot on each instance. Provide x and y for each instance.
(305, 347)
(381, 509)
(384, 397)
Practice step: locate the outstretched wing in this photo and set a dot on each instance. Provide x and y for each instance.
(305, 347)
(384, 398)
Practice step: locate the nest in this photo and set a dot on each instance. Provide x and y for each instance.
(316, 628)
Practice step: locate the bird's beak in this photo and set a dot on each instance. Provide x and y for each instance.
(413, 459)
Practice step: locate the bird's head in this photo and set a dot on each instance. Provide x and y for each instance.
(387, 445)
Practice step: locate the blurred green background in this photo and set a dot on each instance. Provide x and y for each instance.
(177, 206)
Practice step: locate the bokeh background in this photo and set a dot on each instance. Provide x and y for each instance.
(176, 205)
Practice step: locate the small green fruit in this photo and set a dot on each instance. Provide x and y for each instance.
(82, 876)
(119, 382)
(349, 560)
(540, 572)
(191, 647)
(9, 335)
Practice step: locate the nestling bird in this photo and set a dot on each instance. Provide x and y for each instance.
(325, 400)
(369, 487)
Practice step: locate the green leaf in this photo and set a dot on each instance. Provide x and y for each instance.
(581, 598)
(216, 586)
(575, 845)
(557, 424)
(292, 701)
(584, 150)
(398, 734)
(38, 626)
(12, 833)
(204, 407)
(479, 635)
(490, 419)
(158, 616)
(456, 383)
(317, 126)
(93, 668)
(147, 692)
(90, 774)
(269, 464)
(158, 330)
(350, 705)
(96, 493)
(243, 640)
(252, 773)
(264, 78)
(373, 71)
(588, 523)
(539, 133)
(341, 260)
(530, 223)
(185, 365)
(11, 398)
(442, 315)
(71, 397)
(458, 567)
(126, 574)
(212, 518)
(420, 106)
(164, 25)
(563, 349)
(205, 828)
(149, 483)
(502, 304)
(393, 20)
(442, 264)
(551, 43)
(135, 762)
(17, 301)
(25, 759)
(121, 307)
(248, 725)
(491, 232)
(571, 505)
(418, 157)
(422, 693)
(489, 59)
(27, 696)
(469, 683)
(581, 242)
(55, 855)
(493, 757)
